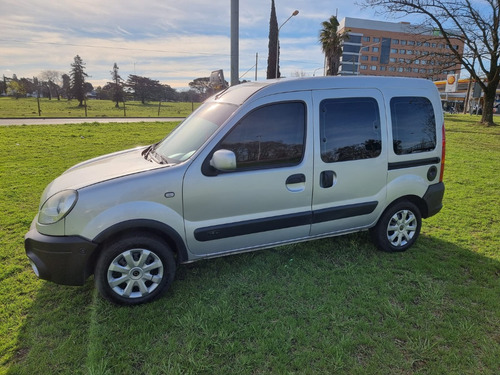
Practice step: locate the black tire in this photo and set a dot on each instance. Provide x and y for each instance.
(398, 227)
(136, 269)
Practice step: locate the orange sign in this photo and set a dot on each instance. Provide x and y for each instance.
(451, 79)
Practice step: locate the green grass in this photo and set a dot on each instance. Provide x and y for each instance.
(323, 307)
(28, 107)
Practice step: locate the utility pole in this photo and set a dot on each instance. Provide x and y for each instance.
(235, 14)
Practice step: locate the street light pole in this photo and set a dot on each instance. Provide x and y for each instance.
(278, 40)
(314, 73)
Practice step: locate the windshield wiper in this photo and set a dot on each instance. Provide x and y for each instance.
(146, 151)
(150, 154)
(160, 159)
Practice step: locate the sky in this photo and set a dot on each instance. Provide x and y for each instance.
(173, 42)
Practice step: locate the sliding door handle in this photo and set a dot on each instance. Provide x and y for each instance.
(327, 179)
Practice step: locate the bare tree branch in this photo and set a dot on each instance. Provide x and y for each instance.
(477, 24)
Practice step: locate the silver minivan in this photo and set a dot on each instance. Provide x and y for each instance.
(258, 165)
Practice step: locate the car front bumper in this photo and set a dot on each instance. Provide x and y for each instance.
(63, 260)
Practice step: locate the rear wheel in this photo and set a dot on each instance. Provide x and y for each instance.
(398, 227)
(134, 270)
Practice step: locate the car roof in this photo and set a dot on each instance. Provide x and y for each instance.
(238, 94)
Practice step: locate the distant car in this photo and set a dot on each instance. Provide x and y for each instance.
(258, 165)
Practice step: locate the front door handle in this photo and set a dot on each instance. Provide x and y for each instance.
(296, 183)
(296, 179)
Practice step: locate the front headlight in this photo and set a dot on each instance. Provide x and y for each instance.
(57, 206)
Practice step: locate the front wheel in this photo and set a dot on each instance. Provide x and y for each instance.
(398, 227)
(134, 270)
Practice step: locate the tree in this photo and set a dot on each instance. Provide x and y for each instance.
(201, 86)
(144, 88)
(16, 89)
(78, 75)
(117, 86)
(170, 93)
(88, 87)
(29, 86)
(66, 86)
(52, 79)
(331, 44)
(273, 70)
(190, 96)
(477, 24)
(299, 73)
(104, 92)
(3, 85)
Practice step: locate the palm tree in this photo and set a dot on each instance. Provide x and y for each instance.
(331, 44)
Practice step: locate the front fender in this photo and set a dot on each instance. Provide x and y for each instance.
(129, 211)
(126, 217)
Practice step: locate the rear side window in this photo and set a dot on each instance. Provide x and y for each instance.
(413, 125)
(270, 136)
(350, 129)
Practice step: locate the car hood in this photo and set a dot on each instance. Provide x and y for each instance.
(100, 169)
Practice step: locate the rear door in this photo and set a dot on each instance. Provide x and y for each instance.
(267, 198)
(350, 160)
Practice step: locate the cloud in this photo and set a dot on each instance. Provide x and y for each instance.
(169, 41)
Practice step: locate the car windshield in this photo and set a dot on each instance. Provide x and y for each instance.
(185, 140)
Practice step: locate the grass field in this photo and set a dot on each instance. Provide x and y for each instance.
(332, 306)
(28, 107)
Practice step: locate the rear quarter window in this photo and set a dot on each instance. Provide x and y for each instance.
(413, 125)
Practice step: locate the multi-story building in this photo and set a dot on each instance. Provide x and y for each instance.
(396, 49)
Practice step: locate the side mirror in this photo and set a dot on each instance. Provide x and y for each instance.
(223, 160)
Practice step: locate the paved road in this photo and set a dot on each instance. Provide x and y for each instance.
(60, 121)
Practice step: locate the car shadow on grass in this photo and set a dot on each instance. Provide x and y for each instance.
(326, 306)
